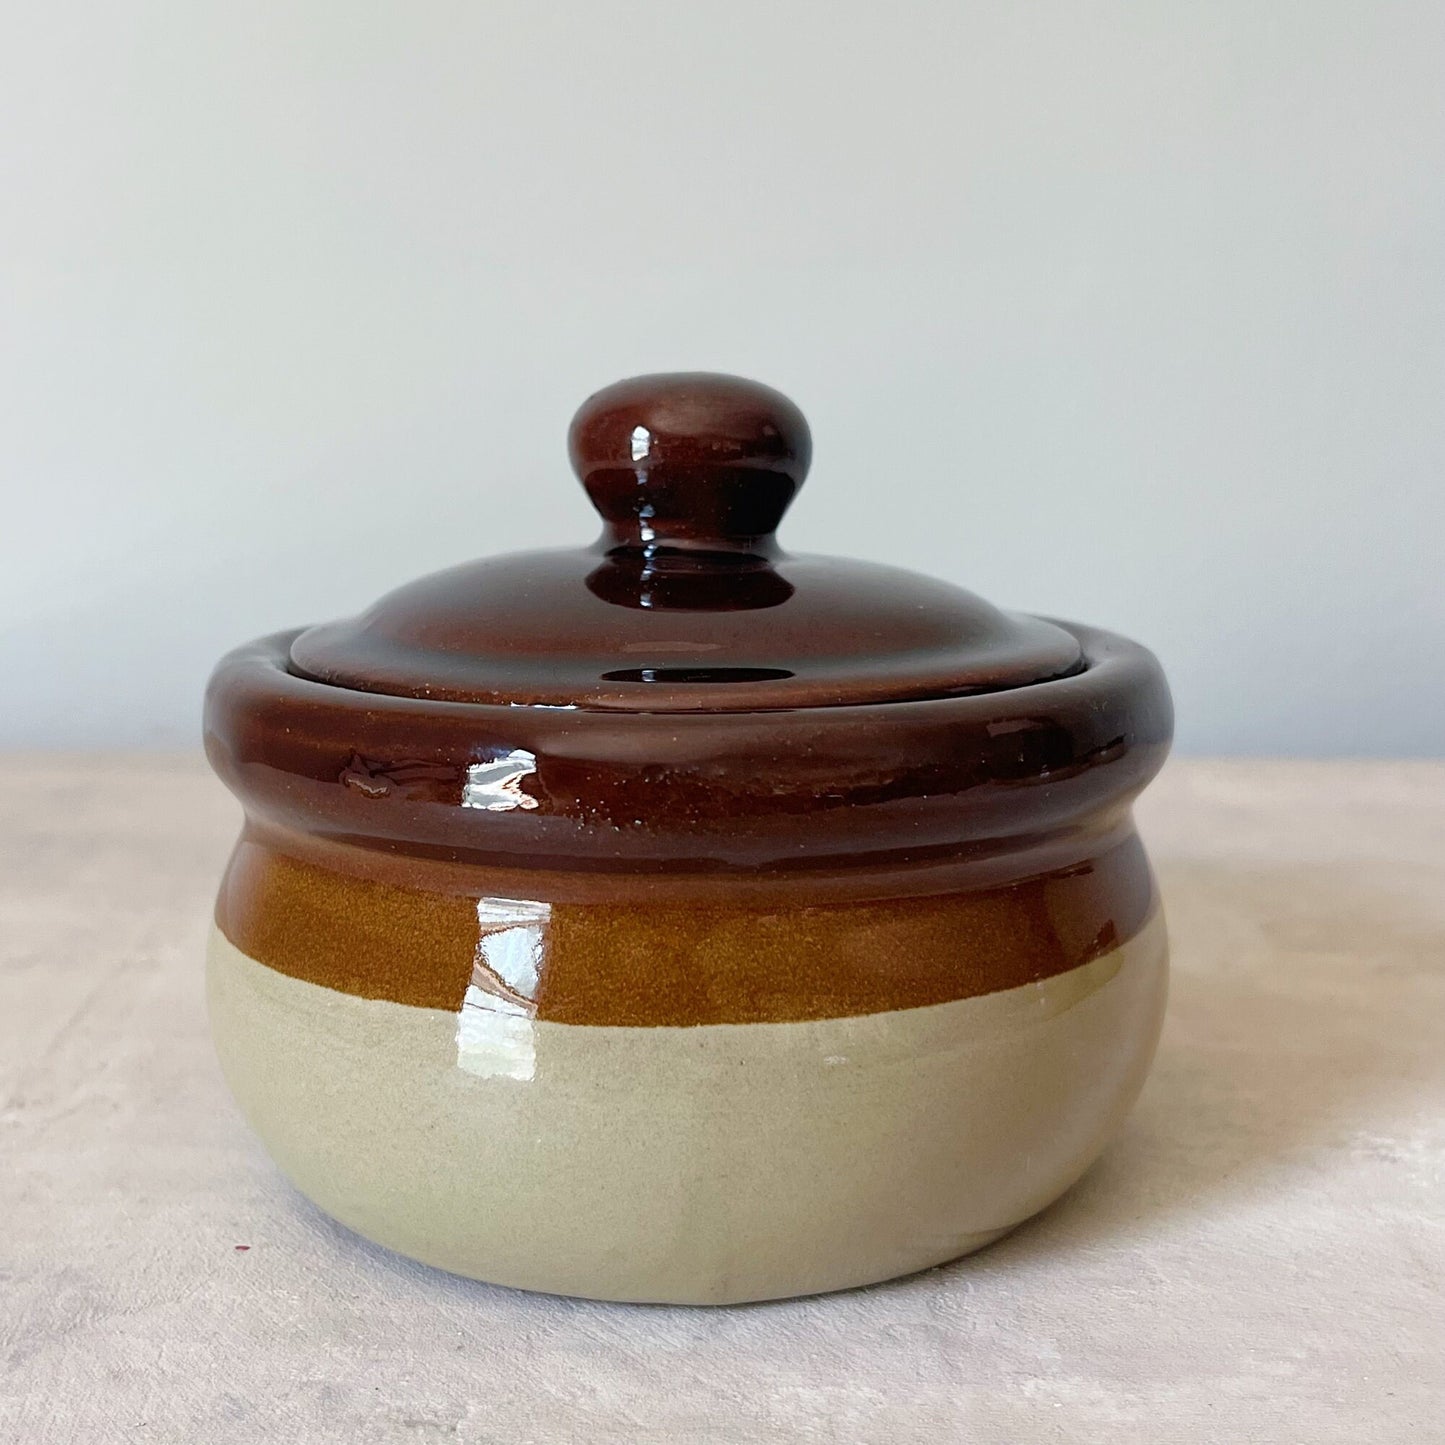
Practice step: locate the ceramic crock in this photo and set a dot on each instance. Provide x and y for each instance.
(678, 918)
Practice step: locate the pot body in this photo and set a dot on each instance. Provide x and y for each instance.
(699, 1090)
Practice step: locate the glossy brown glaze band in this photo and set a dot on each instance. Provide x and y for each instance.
(699, 963)
(726, 792)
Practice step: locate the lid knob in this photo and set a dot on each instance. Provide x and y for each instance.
(691, 460)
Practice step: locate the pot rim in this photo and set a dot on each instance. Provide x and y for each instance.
(782, 791)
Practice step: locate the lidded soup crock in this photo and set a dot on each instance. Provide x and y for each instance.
(678, 918)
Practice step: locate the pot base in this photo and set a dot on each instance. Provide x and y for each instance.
(712, 1164)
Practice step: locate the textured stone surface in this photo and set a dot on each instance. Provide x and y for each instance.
(1261, 1255)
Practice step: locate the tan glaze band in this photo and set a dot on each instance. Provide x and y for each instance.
(618, 963)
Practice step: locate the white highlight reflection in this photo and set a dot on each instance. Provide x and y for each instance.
(497, 785)
(495, 1029)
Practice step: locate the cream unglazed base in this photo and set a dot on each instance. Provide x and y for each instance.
(697, 1164)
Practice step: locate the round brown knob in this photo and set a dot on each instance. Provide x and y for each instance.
(691, 460)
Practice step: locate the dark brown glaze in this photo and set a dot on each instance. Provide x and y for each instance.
(690, 460)
(707, 793)
(691, 474)
(684, 964)
(554, 628)
(687, 582)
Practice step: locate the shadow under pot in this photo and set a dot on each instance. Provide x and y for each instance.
(679, 919)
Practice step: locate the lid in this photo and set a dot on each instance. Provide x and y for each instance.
(685, 603)
(683, 701)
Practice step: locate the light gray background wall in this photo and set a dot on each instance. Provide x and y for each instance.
(1127, 312)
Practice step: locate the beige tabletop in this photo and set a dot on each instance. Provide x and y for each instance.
(1260, 1257)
